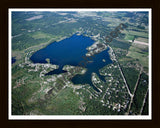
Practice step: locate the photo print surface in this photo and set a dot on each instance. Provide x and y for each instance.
(80, 63)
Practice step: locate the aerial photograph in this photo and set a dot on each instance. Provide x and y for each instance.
(79, 62)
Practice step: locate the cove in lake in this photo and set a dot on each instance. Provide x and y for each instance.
(69, 52)
(13, 60)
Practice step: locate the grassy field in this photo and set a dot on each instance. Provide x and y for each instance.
(145, 40)
(136, 33)
(129, 37)
(137, 52)
(117, 43)
(66, 103)
(40, 35)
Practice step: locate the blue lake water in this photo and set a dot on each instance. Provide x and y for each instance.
(13, 60)
(69, 52)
